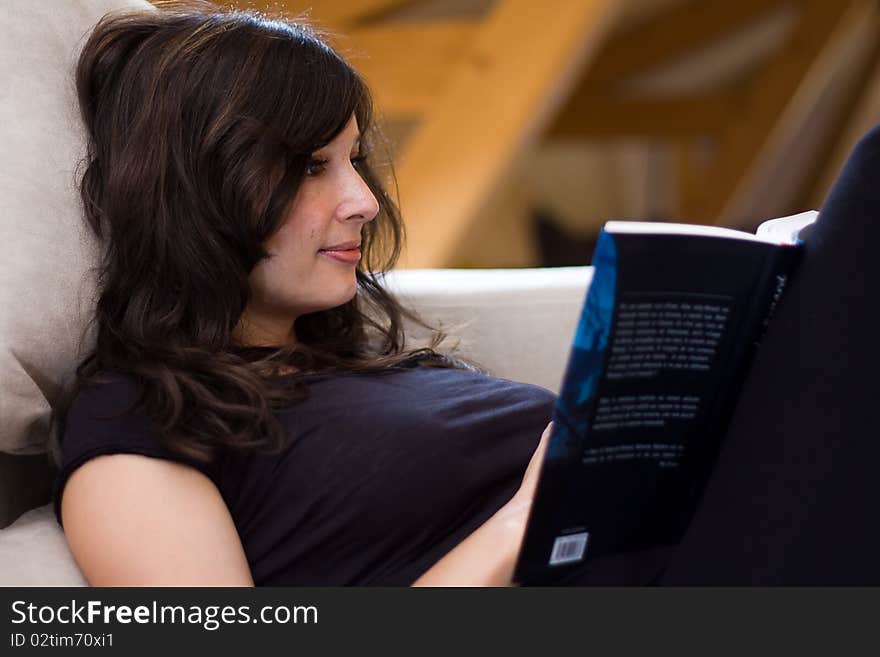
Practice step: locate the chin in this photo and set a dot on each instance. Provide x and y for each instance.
(343, 297)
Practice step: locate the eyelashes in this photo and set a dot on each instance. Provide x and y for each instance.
(317, 165)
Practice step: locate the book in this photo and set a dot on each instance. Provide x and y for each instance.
(672, 319)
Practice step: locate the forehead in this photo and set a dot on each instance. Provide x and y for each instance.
(349, 136)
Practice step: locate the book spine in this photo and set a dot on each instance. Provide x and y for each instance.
(780, 265)
(782, 269)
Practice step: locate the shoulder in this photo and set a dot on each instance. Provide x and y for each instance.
(107, 392)
(156, 527)
(102, 411)
(103, 420)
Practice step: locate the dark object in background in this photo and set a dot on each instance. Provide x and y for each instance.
(556, 246)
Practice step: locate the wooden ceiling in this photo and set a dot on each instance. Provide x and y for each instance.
(732, 87)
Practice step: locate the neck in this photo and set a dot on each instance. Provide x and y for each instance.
(264, 332)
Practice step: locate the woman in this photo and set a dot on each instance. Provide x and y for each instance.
(250, 414)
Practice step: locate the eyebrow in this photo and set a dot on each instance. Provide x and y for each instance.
(356, 142)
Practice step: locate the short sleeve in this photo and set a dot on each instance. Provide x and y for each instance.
(101, 421)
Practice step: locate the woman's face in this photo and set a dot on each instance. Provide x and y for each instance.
(315, 251)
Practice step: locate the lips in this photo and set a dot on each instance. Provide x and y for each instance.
(344, 246)
(347, 252)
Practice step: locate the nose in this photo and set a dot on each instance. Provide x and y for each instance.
(358, 203)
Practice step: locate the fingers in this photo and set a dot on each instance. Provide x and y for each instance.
(530, 479)
(538, 456)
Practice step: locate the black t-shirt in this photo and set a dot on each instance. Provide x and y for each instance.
(385, 473)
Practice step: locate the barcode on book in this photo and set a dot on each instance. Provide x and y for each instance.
(568, 549)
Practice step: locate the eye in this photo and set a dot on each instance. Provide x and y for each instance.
(358, 160)
(315, 166)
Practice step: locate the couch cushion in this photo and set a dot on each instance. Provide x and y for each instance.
(46, 251)
(34, 552)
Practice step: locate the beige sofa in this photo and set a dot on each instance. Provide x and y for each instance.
(517, 323)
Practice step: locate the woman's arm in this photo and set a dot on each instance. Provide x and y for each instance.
(178, 534)
(488, 556)
(181, 534)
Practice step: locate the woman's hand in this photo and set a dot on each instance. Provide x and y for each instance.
(515, 513)
(530, 478)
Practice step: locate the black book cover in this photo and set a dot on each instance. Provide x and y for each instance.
(666, 334)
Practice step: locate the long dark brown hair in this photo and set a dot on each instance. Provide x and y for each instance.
(200, 126)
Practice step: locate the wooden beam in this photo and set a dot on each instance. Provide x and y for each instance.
(499, 100)
(862, 113)
(743, 139)
(408, 65)
(589, 117)
(673, 34)
(692, 157)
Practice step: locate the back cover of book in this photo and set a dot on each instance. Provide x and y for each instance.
(666, 334)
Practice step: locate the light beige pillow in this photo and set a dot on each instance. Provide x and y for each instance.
(46, 252)
(34, 552)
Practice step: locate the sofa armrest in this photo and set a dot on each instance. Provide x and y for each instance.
(517, 323)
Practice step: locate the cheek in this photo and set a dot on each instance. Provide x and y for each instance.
(305, 221)
(297, 274)
(289, 266)
(294, 238)
(295, 245)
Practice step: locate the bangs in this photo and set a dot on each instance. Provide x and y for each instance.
(316, 95)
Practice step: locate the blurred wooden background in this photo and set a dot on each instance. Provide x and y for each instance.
(519, 127)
